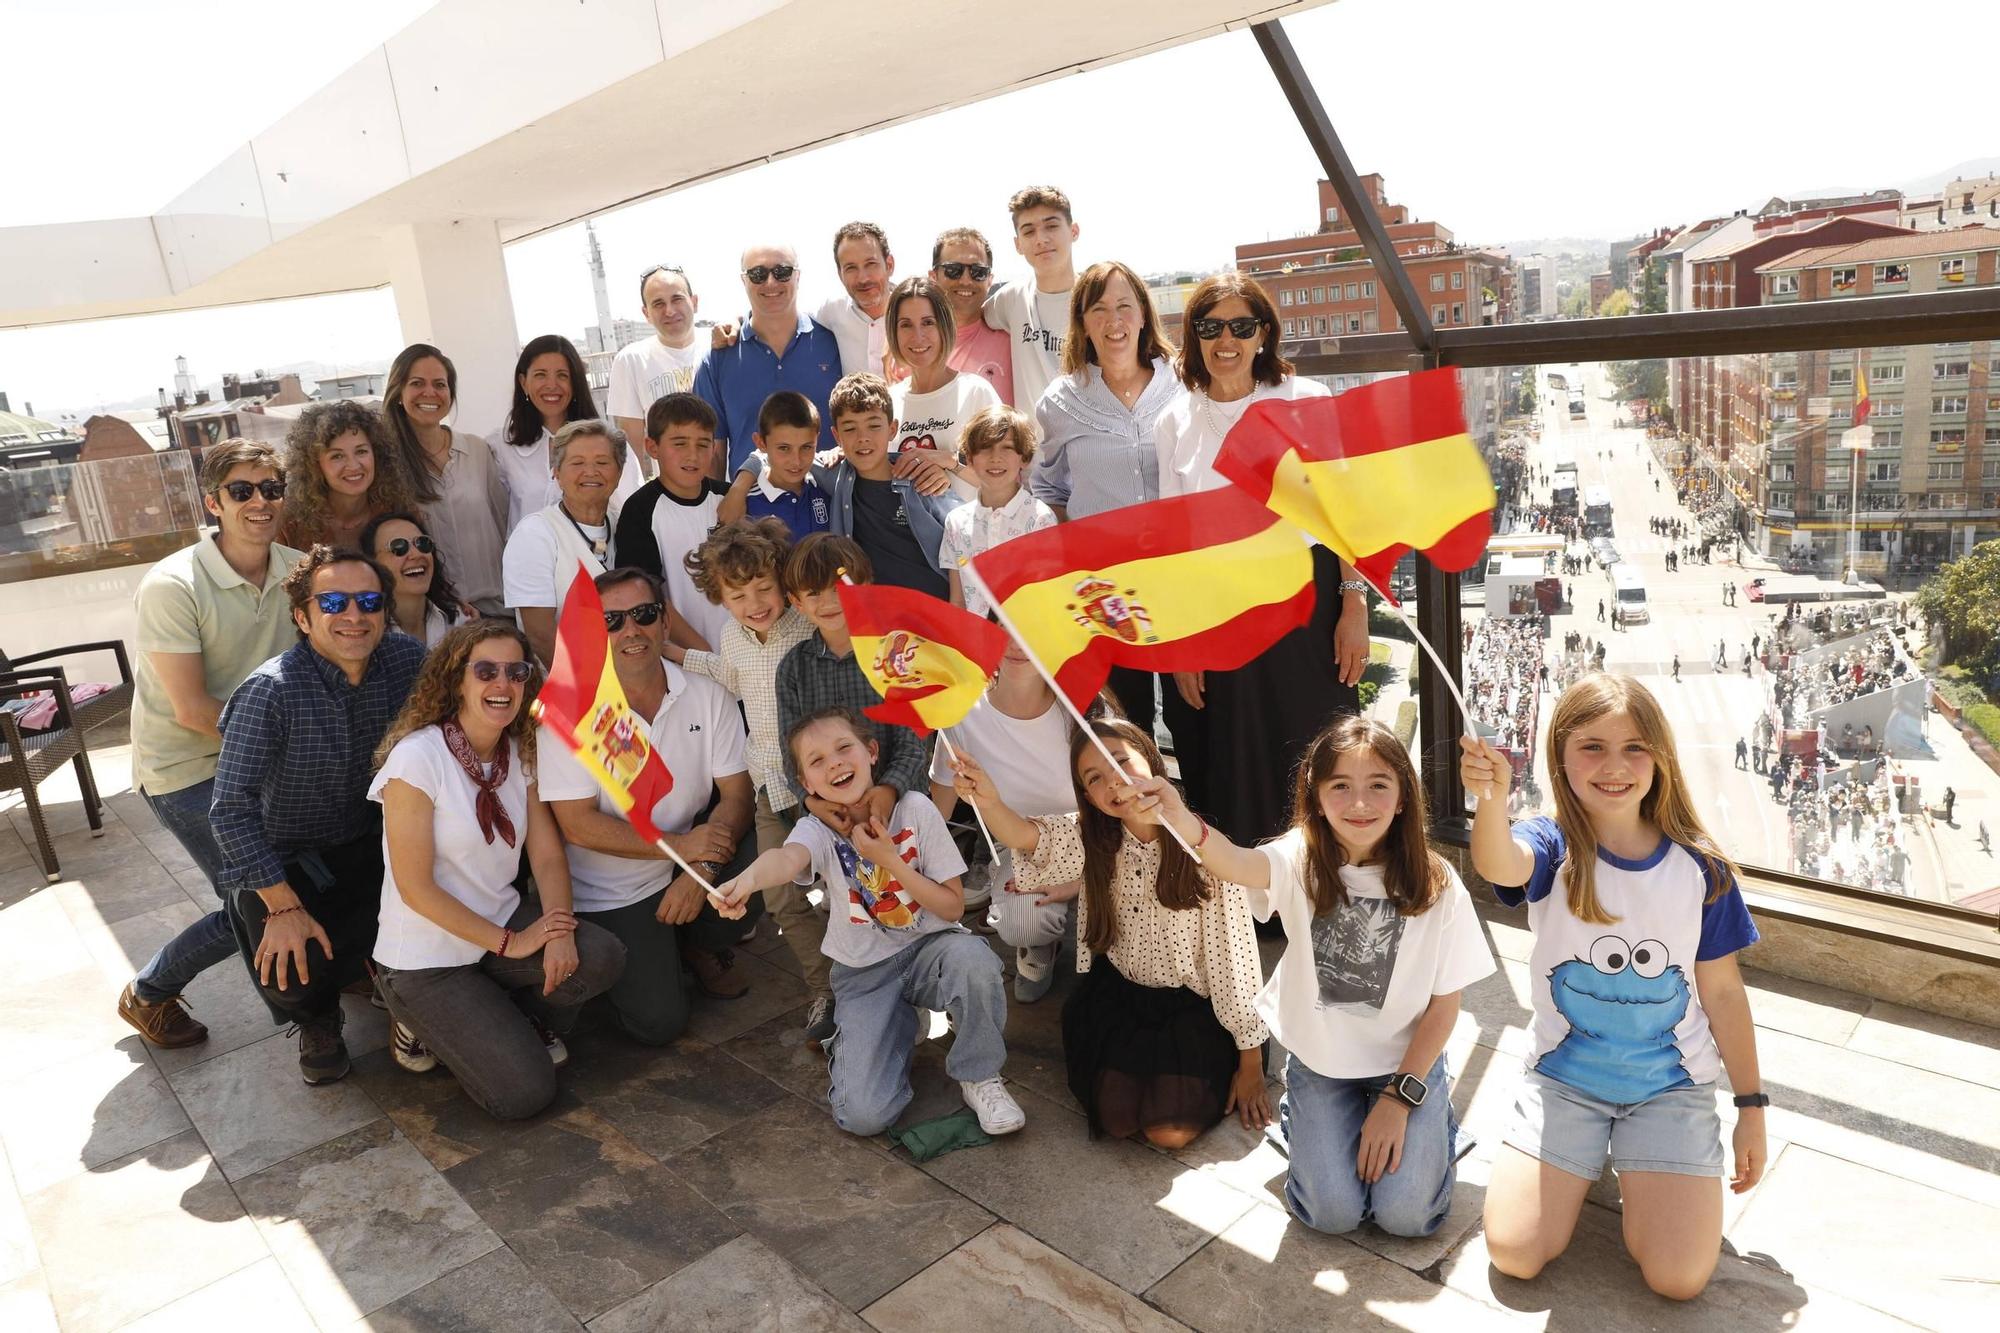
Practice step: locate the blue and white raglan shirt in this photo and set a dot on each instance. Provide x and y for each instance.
(1617, 1015)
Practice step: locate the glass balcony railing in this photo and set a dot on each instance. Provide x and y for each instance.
(70, 518)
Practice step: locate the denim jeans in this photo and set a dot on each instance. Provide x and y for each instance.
(206, 942)
(875, 1015)
(1322, 1120)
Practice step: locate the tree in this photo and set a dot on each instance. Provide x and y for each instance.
(1963, 597)
(1653, 290)
(1616, 304)
(1576, 305)
(1640, 379)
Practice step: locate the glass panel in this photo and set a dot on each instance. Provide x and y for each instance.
(69, 518)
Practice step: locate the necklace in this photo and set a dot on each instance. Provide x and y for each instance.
(1208, 415)
(597, 546)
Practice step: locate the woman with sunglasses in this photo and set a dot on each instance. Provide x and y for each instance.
(551, 389)
(1239, 734)
(424, 606)
(475, 973)
(452, 474)
(935, 401)
(340, 472)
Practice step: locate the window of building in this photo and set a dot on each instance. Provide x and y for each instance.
(1889, 469)
(1948, 437)
(1437, 314)
(1889, 438)
(1952, 270)
(1989, 470)
(1351, 292)
(1948, 404)
(1786, 377)
(1830, 500)
(1368, 290)
(1458, 312)
(1290, 329)
(1437, 282)
(1782, 501)
(1843, 279)
(1369, 322)
(1320, 323)
(1884, 375)
(1950, 370)
(1354, 323)
(1945, 472)
(1886, 274)
(1784, 284)
(1840, 375)
(1782, 471)
(1458, 280)
(1319, 296)
(1285, 297)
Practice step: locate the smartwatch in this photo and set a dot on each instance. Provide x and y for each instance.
(1407, 1089)
(1745, 1100)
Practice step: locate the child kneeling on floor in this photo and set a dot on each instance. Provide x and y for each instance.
(892, 934)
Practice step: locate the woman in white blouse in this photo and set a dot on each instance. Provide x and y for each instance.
(551, 389)
(1166, 1040)
(475, 974)
(1239, 734)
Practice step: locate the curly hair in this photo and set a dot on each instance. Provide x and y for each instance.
(437, 694)
(308, 503)
(738, 553)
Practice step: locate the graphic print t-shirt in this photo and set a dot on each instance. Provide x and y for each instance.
(1616, 1011)
(882, 529)
(1352, 984)
(870, 917)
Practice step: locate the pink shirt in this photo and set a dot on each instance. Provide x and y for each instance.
(988, 353)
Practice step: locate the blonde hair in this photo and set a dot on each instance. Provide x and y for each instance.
(1667, 805)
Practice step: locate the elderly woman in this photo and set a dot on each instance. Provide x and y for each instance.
(551, 390)
(1097, 420)
(547, 547)
(340, 472)
(1239, 734)
(452, 474)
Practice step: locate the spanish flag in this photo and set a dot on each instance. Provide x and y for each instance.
(1860, 395)
(583, 705)
(1372, 473)
(928, 659)
(1200, 582)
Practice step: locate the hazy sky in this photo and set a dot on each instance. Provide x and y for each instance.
(1536, 118)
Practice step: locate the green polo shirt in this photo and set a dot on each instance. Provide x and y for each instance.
(193, 602)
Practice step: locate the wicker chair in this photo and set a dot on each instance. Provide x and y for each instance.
(26, 759)
(105, 707)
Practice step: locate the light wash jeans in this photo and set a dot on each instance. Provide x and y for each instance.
(206, 942)
(1322, 1120)
(875, 1013)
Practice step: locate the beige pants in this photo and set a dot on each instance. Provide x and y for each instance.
(804, 929)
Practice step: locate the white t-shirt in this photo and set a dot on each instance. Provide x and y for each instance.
(531, 482)
(1348, 992)
(648, 370)
(870, 917)
(1189, 433)
(973, 529)
(935, 420)
(1038, 329)
(679, 526)
(1027, 758)
(466, 866)
(698, 734)
(540, 561)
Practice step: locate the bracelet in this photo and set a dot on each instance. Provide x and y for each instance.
(1204, 831)
(1354, 585)
(295, 907)
(506, 938)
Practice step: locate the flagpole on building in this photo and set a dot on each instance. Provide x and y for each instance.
(970, 571)
(952, 750)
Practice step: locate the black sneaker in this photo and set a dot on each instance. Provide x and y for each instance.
(819, 1019)
(322, 1052)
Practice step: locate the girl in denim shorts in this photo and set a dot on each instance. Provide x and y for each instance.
(1638, 1004)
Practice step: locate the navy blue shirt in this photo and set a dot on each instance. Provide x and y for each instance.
(298, 751)
(804, 513)
(736, 380)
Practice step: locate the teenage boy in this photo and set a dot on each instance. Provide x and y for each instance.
(962, 267)
(867, 269)
(622, 882)
(788, 441)
(301, 842)
(1035, 314)
(670, 515)
(778, 348)
(741, 568)
(207, 616)
(648, 370)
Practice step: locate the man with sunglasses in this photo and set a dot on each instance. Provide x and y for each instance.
(962, 266)
(207, 616)
(623, 883)
(777, 348)
(648, 370)
(301, 842)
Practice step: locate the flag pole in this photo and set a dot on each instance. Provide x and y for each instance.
(1464, 709)
(952, 750)
(1083, 724)
(681, 861)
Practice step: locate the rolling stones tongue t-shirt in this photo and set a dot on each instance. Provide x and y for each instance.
(1617, 1015)
(935, 420)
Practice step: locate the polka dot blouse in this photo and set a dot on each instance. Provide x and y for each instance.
(1211, 949)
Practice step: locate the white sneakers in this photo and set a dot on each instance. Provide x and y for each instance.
(996, 1108)
(1034, 971)
(410, 1053)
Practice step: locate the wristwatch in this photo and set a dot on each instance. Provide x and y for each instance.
(1746, 1100)
(708, 869)
(1407, 1089)
(1354, 585)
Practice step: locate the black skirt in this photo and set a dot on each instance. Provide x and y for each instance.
(1142, 1035)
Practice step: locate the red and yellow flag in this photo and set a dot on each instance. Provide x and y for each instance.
(1372, 473)
(1197, 583)
(583, 705)
(1860, 395)
(929, 660)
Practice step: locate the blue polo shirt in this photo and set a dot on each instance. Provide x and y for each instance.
(736, 380)
(804, 513)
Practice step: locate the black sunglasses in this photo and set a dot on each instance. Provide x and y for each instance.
(400, 546)
(1244, 326)
(645, 613)
(240, 491)
(333, 603)
(956, 271)
(782, 272)
(486, 670)
(674, 269)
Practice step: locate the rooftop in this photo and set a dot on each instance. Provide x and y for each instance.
(1909, 245)
(704, 1186)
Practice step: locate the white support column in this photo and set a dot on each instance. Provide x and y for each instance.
(450, 281)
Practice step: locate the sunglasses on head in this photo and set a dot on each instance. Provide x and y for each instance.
(333, 603)
(674, 269)
(241, 491)
(979, 272)
(1244, 326)
(782, 272)
(645, 613)
(400, 546)
(486, 671)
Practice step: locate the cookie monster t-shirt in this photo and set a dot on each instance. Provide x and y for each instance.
(1616, 1011)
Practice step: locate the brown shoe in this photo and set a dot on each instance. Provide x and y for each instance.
(716, 974)
(167, 1024)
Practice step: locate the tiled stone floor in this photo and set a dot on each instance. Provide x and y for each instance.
(704, 1187)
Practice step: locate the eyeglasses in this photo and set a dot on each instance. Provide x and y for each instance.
(400, 546)
(1244, 326)
(979, 272)
(241, 491)
(762, 272)
(645, 613)
(486, 670)
(674, 269)
(333, 603)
